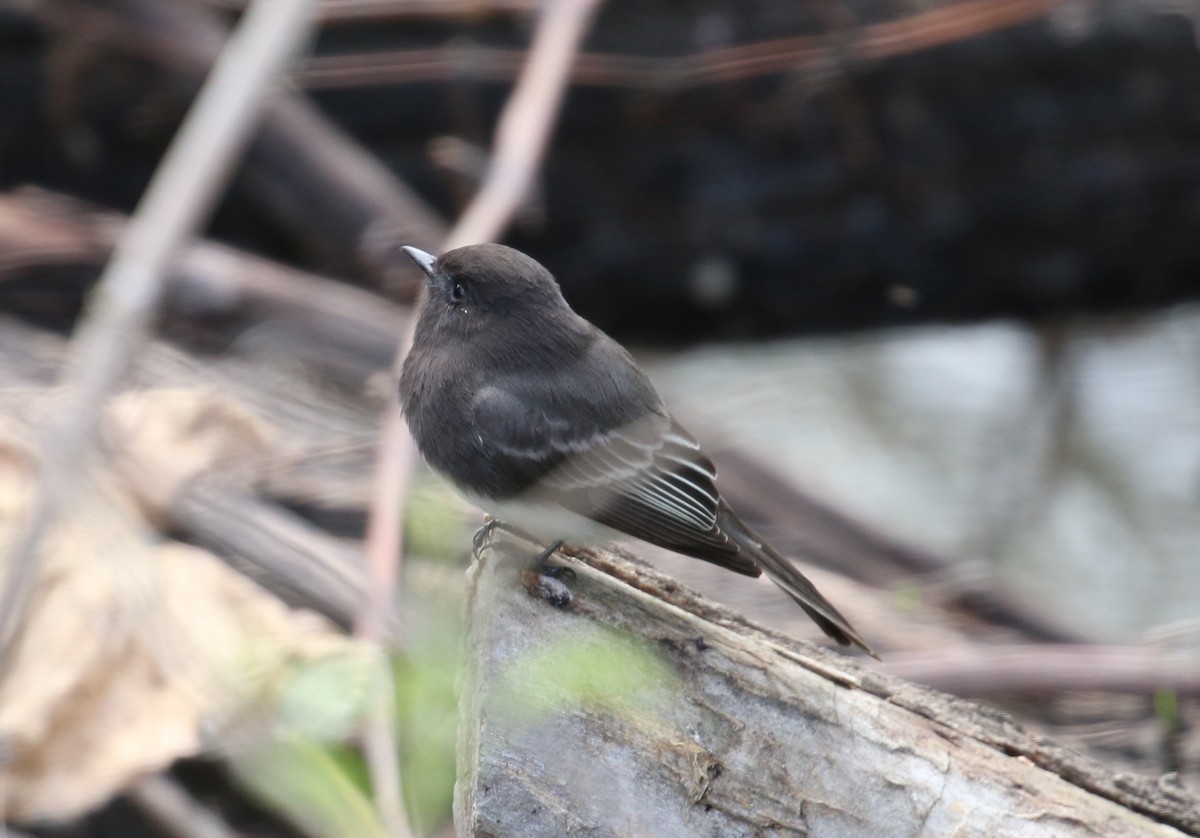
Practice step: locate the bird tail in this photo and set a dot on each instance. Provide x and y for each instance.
(794, 583)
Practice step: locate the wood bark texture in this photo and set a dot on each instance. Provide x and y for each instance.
(750, 733)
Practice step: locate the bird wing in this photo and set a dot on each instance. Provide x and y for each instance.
(642, 475)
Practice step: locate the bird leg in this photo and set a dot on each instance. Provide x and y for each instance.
(541, 579)
(549, 582)
(542, 564)
(484, 533)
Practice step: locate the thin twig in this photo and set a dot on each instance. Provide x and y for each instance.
(521, 138)
(175, 811)
(122, 308)
(844, 49)
(379, 11)
(524, 127)
(379, 743)
(1041, 669)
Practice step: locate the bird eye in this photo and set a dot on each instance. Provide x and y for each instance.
(458, 293)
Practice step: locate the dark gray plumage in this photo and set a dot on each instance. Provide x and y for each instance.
(549, 424)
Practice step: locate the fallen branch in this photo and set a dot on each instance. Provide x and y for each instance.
(756, 733)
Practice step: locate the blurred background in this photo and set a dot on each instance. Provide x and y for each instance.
(923, 278)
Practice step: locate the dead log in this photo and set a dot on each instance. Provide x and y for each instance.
(757, 734)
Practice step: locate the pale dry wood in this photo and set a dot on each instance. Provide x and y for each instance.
(761, 735)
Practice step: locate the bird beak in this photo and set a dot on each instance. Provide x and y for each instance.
(423, 259)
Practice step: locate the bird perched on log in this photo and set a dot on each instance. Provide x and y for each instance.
(549, 425)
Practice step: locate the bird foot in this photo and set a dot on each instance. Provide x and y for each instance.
(549, 588)
(541, 579)
(484, 534)
(548, 582)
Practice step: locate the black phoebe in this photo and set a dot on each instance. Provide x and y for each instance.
(549, 425)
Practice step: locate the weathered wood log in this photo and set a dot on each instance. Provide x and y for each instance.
(758, 734)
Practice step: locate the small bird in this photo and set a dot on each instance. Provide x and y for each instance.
(549, 425)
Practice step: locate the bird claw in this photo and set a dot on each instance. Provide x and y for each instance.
(545, 583)
(541, 580)
(484, 533)
(558, 573)
(549, 582)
